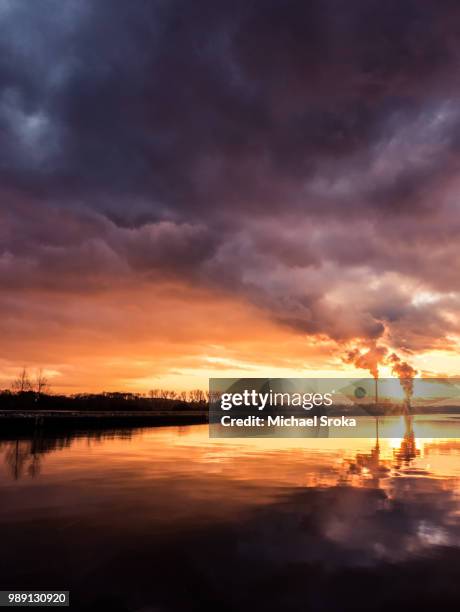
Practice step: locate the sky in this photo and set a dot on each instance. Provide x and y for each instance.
(196, 188)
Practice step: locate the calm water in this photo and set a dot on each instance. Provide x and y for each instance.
(167, 519)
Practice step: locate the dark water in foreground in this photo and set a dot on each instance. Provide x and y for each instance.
(167, 519)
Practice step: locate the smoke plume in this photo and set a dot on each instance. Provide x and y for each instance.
(405, 373)
(369, 360)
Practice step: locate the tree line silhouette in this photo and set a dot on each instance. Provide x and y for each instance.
(34, 393)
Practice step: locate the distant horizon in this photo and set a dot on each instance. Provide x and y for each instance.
(174, 393)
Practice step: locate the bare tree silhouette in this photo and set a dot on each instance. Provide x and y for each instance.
(22, 383)
(197, 396)
(41, 383)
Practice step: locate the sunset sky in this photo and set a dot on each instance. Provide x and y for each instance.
(227, 188)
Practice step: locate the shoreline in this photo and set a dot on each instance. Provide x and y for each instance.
(33, 419)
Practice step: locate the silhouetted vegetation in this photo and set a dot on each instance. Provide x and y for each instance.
(33, 393)
(29, 405)
(30, 398)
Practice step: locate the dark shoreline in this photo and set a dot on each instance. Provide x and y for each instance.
(27, 420)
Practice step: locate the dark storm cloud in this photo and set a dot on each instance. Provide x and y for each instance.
(302, 154)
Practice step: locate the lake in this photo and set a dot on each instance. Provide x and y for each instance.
(161, 519)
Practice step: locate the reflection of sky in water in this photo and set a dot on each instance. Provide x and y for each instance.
(334, 503)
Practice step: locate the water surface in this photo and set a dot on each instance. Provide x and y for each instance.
(168, 519)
